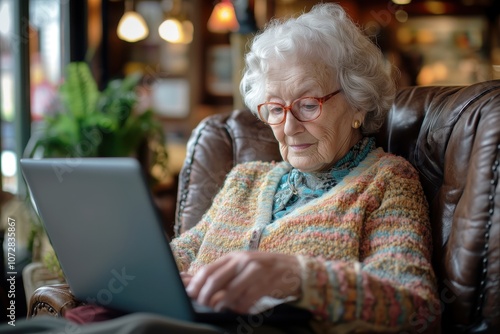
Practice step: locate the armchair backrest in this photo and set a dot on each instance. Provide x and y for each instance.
(452, 137)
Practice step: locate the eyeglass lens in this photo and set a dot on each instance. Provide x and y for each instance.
(305, 109)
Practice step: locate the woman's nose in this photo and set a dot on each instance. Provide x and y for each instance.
(292, 125)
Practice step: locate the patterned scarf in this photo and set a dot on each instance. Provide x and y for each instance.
(297, 188)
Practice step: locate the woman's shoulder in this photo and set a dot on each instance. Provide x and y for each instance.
(256, 166)
(252, 170)
(389, 162)
(252, 175)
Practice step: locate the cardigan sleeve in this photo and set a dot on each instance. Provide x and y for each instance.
(185, 247)
(392, 286)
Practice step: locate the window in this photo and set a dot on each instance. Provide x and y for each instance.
(33, 48)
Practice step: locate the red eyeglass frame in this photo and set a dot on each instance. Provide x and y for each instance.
(321, 100)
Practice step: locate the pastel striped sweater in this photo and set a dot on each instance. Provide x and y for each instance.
(364, 246)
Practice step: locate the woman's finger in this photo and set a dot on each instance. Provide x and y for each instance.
(217, 280)
(272, 275)
(186, 278)
(205, 276)
(238, 280)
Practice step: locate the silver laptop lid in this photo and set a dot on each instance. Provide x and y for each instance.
(100, 218)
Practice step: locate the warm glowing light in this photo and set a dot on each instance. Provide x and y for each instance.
(401, 2)
(173, 31)
(435, 7)
(440, 71)
(425, 36)
(425, 77)
(223, 18)
(132, 27)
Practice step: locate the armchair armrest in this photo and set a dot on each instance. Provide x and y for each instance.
(53, 300)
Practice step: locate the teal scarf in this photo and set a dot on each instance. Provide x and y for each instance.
(297, 188)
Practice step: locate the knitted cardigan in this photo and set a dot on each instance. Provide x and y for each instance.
(364, 246)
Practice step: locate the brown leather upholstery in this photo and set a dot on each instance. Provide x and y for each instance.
(53, 300)
(216, 145)
(450, 134)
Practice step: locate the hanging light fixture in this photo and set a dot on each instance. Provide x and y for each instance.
(223, 18)
(132, 27)
(171, 30)
(175, 29)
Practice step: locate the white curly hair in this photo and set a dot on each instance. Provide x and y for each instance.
(326, 34)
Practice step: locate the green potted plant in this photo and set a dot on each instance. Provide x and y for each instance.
(86, 122)
(89, 123)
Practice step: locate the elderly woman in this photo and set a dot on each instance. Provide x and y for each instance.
(340, 226)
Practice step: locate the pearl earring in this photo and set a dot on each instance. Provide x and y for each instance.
(356, 124)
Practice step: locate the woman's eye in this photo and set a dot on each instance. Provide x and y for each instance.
(276, 110)
(309, 107)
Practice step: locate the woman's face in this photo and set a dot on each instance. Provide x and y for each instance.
(316, 145)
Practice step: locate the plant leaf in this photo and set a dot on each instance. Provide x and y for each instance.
(79, 91)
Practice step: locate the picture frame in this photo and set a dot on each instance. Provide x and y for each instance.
(219, 78)
(170, 97)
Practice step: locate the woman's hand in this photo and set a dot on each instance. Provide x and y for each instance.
(237, 280)
(186, 278)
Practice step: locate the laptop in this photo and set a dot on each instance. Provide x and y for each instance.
(106, 232)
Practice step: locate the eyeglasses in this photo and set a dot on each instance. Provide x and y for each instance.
(305, 109)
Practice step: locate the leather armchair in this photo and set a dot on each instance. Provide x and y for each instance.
(450, 134)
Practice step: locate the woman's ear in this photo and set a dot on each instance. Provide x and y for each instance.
(358, 119)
